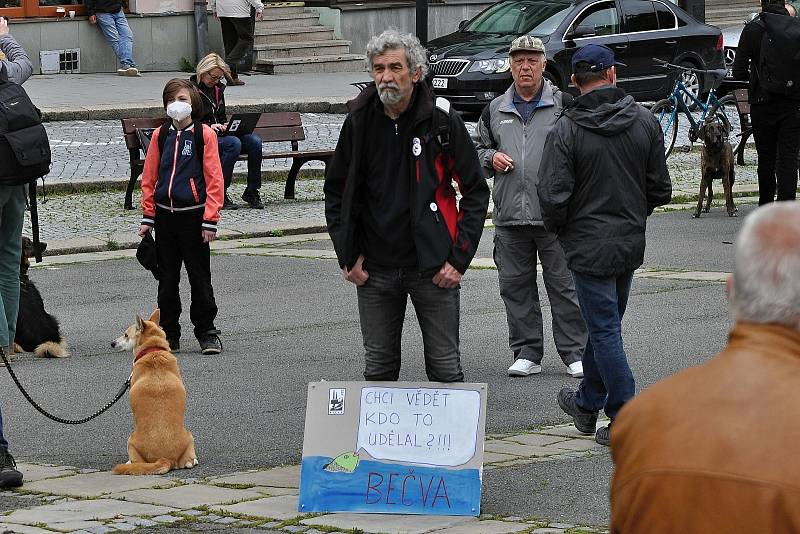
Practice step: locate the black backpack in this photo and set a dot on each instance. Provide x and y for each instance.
(199, 140)
(779, 62)
(24, 146)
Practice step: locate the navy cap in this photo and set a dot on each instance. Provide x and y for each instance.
(594, 58)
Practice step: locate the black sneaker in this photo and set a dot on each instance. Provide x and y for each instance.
(603, 435)
(228, 204)
(9, 476)
(253, 199)
(585, 421)
(210, 343)
(174, 345)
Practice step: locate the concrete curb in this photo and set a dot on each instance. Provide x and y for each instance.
(153, 108)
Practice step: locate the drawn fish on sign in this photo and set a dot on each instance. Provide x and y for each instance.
(344, 463)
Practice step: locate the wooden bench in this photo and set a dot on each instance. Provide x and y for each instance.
(746, 129)
(271, 128)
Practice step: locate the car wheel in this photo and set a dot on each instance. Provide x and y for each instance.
(692, 82)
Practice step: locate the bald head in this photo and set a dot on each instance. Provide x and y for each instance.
(766, 276)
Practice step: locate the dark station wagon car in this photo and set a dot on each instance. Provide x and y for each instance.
(470, 67)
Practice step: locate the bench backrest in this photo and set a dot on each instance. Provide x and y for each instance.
(742, 105)
(129, 127)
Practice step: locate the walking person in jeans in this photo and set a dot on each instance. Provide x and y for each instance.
(392, 212)
(603, 172)
(238, 29)
(108, 15)
(18, 68)
(509, 138)
(775, 115)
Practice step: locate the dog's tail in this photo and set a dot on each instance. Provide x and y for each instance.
(51, 349)
(159, 467)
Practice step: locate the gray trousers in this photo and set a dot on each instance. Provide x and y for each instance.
(515, 251)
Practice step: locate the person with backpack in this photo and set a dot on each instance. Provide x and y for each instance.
(182, 192)
(15, 68)
(509, 137)
(208, 79)
(768, 57)
(392, 213)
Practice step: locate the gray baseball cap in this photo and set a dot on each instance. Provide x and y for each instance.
(526, 43)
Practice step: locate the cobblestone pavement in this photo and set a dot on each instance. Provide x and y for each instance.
(85, 501)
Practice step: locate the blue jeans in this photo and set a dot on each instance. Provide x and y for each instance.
(12, 213)
(382, 309)
(230, 147)
(607, 378)
(119, 35)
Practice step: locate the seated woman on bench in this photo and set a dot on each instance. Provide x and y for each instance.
(208, 79)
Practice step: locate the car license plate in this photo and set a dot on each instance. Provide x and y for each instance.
(440, 83)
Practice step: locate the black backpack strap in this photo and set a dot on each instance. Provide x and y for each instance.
(486, 117)
(199, 140)
(37, 249)
(441, 123)
(162, 137)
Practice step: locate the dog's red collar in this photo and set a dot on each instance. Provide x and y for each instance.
(144, 352)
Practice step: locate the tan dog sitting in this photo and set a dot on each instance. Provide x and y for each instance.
(159, 442)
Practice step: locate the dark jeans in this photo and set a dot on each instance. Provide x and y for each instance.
(237, 37)
(179, 241)
(382, 309)
(230, 147)
(3, 442)
(776, 130)
(607, 378)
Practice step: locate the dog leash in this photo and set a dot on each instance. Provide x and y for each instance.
(57, 419)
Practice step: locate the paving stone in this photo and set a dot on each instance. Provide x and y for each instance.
(193, 513)
(578, 445)
(124, 526)
(226, 520)
(70, 526)
(535, 439)
(35, 472)
(84, 510)
(516, 449)
(211, 518)
(96, 484)
(548, 530)
(486, 527)
(102, 529)
(23, 529)
(144, 522)
(275, 492)
(561, 525)
(281, 477)
(389, 523)
(188, 496)
(567, 431)
(295, 528)
(284, 507)
(492, 457)
(166, 519)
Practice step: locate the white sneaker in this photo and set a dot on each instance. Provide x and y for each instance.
(575, 369)
(122, 72)
(132, 71)
(523, 367)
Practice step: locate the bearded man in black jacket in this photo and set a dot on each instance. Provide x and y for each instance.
(603, 172)
(392, 213)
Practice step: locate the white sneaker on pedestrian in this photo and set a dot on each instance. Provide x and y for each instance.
(122, 72)
(575, 369)
(523, 367)
(132, 71)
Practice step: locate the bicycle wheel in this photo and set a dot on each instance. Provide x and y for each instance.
(725, 110)
(667, 117)
(741, 129)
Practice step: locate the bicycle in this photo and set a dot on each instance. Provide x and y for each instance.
(667, 110)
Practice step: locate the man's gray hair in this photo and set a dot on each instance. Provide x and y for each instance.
(416, 55)
(766, 277)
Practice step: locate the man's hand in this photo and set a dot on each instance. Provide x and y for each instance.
(143, 229)
(209, 236)
(3, 26)
(260, 15)
(447, 277)
(93, 19)
(357, 274)
(501, 162)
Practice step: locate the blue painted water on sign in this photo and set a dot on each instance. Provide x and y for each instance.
(380, 487)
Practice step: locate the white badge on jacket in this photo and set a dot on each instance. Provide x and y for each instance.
(416, 147)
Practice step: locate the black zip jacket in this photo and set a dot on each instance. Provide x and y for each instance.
(748, 53)
(442, 231)
(603, 172)
(104, 6)
(213, 102)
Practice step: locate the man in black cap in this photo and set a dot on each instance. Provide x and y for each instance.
(603, 172)
(772, 66)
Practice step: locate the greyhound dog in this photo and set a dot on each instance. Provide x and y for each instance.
(716, 162)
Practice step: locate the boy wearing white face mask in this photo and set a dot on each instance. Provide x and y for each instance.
(182, 193)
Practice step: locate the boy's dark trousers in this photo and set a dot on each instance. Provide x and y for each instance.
(179, 240)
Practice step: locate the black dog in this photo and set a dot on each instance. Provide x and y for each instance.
(716, 162)
(37, 330)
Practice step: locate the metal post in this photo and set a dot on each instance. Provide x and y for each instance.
(201, 28)
(422, 21)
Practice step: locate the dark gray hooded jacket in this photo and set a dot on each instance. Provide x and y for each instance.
(603, 172)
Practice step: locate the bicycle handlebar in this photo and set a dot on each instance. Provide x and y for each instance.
(715, 73)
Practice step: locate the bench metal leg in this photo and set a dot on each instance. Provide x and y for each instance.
(289, 190)
(135, 172)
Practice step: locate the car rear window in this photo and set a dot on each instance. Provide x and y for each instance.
(517, 17)
(640, 16)
(666, 19)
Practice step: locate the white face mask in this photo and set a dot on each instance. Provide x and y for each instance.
(179, 110)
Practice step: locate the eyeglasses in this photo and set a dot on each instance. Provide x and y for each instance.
(216, 78)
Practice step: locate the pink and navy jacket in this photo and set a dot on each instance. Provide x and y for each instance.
(177, 181)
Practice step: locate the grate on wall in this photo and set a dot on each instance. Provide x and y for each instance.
(66, 61)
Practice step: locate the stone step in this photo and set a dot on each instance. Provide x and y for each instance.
(332, 47)
(297, 20)
(283, 8)
(294, 65)
(293, 35)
